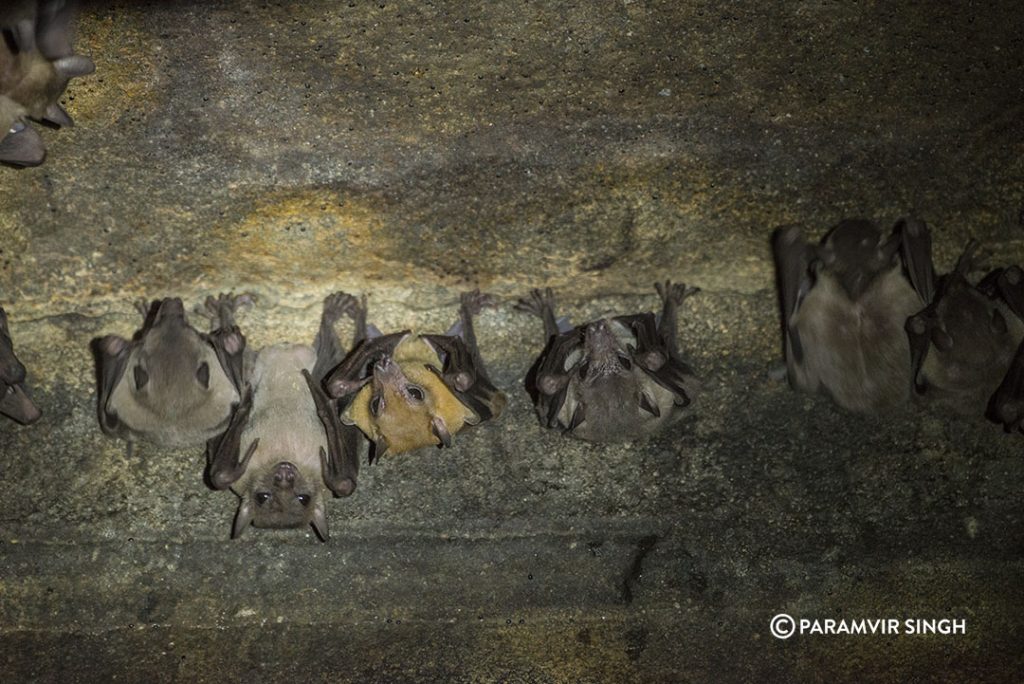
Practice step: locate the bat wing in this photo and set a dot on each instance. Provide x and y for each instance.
(465, 377)
(657, 359)
(1010, 285)
(354, 371)
(229, 343)
(340, 463)
(792, 259)
(1006, 405)
(548, 379)
(223, 452)
(111, 354)
(916, 250)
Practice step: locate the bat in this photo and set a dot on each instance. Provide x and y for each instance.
(614, 379)
(963, 343)
(36, 63)
(405, 391)
(845, 302)
(15, 402)
(171, 385)
(284, 443)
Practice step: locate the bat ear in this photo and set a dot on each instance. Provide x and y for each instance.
(243, 518)
(222, 478)
(319, 520)
(649, 405)
(440, 431)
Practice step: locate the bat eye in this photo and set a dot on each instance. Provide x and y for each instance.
(141, 378)
(262, 498)
(303, 499)
(415, 392)
(203, 375)
(375, 406)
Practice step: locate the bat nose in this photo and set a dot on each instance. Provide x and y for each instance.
(284, 474)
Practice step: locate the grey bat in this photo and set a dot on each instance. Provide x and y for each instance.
(15, 402)
(845, 302)
(407, 391)
(284, 443)
(613, 379)
(36, 63)
(963, 343)
(170, 384)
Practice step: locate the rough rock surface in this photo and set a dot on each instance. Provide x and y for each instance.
(412, 150)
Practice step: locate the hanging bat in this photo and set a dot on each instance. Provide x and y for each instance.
(963, 343)
(284, 443)
(845, 302)
(406, 391)
(36, 63)
(14, 399)
(170, 384)
(614, 379)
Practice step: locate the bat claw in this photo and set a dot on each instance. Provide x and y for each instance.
(537, 302)
(338, 304)
(475, 301)
(675, 292)
(220, 310)
(142, 306)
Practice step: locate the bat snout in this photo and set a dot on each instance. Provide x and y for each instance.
(284, 474)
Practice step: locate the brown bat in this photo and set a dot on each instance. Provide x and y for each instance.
(284, 444)
(14, 398)
(407, 391)
(36, 63)
(963, 342)
(614, 379)
(171, 384)
(845, 302)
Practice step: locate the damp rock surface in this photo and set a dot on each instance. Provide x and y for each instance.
(413, 150)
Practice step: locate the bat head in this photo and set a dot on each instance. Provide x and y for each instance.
(170, 373)
(281, 496)
(406, 407)
(855, 252)
(14, 401)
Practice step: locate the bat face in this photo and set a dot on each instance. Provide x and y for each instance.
(14, 401)
(405, 405)
(171, 388)
(281, 496)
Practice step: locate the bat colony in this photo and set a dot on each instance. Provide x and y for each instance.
(865, 322)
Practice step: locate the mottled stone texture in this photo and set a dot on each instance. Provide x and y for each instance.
(411, 150)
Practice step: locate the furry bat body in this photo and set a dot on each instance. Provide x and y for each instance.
(171, 384)
(284, 444)
(845, 302)
(36, 63)
(963, 343)
(614, 379)
(14, 400)
(407, 391)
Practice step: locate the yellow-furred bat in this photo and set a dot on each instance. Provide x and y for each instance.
(406, 391)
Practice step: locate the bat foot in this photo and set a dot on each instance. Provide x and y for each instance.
(474, 302)
(674, 292)
(538, 302)
(340, 304)
(220, 311)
